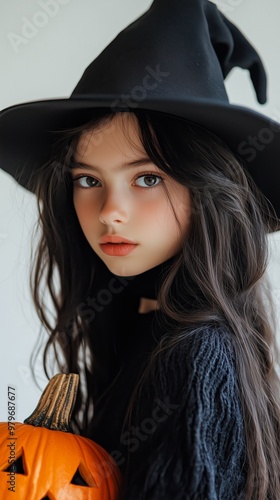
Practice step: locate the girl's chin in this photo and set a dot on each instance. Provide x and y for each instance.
(127, 266)
(126, 270)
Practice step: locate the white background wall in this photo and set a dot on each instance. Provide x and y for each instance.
(48, 64)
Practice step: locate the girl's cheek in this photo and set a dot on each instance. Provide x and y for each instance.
(83, 201)
(152, 210)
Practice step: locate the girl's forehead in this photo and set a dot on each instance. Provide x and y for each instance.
(121, 123)
(121, 131)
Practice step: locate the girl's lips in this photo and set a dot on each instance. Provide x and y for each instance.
(117, 249)
(114, 238)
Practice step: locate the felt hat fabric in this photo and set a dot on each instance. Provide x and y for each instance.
(172, 59)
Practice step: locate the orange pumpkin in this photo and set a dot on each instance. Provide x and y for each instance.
(44, 460)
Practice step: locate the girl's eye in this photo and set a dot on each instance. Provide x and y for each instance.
(92, 182)
(148, 180)
(144, 181)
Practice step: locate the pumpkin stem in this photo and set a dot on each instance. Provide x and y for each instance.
(56, 403)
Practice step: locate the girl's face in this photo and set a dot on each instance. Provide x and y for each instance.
(121, 201)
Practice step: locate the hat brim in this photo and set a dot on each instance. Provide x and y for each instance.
(27, 138)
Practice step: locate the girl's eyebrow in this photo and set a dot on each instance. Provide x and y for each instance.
(124, 166)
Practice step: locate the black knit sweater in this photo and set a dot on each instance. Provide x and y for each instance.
(187, 436)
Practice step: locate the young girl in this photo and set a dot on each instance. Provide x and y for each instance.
(158, 234)
(160, 241)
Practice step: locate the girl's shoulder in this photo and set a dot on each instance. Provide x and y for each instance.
(206, 345)
(209, 346)
(201, 360)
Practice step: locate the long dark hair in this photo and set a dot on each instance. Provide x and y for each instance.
(221, 267)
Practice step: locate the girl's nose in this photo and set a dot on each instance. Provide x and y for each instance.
(114, 209)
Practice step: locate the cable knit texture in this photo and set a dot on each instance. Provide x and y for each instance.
(197, 451)
(186, 439)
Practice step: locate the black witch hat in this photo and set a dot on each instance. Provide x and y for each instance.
(173, 59)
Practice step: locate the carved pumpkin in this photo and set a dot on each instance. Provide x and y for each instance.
(47, 461)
